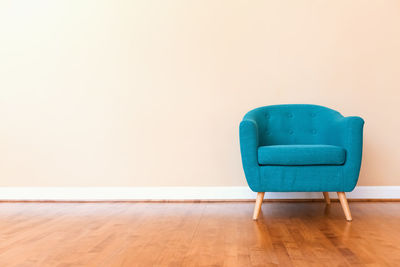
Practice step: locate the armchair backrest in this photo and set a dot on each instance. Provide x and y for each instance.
(293, 124)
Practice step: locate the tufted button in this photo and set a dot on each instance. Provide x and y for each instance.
(290, 115)
(313, 131)
(313, 115)
(290, 132)
(266, 115)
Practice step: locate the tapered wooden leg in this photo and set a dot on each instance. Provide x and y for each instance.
(327, 199)
(257, 207)
(345, 205)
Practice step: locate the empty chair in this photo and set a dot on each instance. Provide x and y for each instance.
(301, 148)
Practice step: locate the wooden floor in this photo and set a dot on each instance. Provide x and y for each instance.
(198, 234)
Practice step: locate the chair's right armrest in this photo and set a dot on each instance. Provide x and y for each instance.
(249, 142)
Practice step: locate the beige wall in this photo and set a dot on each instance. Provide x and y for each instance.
(151, 93)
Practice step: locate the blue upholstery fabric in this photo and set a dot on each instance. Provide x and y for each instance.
(301, 155)
(282, 125)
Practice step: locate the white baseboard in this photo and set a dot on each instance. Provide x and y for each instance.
(178, 193)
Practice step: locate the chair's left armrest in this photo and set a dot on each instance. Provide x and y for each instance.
(348, 133)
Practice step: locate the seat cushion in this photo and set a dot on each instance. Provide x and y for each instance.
(301, 155)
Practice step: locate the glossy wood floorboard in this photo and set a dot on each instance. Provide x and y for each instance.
(198, 234)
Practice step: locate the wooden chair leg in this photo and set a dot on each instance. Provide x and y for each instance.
(257, 207)
(326, 196)
(345, 205)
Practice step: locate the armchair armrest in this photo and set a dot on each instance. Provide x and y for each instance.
(349, 134)
(249, 142)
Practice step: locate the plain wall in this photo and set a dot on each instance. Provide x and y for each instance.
(151, 93)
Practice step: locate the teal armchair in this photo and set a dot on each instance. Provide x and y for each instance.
(301, 148)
